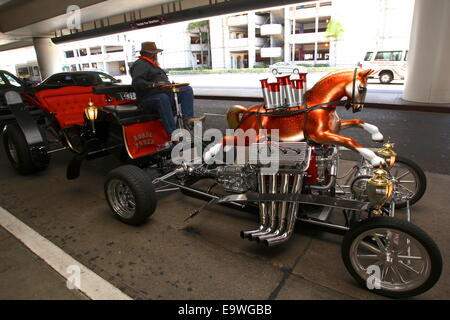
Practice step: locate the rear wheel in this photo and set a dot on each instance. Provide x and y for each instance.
(275, 71)
(19, 153)
(392, 257)
(130, 194)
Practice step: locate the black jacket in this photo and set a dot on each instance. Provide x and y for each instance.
(143, 74)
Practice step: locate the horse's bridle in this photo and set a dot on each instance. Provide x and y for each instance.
(361, 90)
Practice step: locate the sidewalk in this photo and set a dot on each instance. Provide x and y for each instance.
(24, 276)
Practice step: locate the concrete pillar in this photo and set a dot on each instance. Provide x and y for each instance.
(287, 53)
(251, 40)
(428, 78)
(47, 54)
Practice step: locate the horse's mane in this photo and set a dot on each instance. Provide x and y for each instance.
(328, 77)
(335, 72)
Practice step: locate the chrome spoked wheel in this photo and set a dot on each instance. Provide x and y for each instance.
(409, 180)
(406, 181)
(400, 261)
(13, 151)
(121, 198)
(392, 257)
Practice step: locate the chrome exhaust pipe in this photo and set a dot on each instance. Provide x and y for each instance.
(274, 95)
(282, 211)
(266, 95)
(291, 217)
(297, 88)
(263, 210)
(288, 92)
(272, 208)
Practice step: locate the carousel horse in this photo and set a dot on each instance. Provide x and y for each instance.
(322, 124)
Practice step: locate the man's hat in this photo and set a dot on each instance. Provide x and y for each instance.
(149, 47)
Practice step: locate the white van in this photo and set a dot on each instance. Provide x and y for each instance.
(388, 64)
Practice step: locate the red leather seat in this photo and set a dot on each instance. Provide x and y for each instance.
(67, 104)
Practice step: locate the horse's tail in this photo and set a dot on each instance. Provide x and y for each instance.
(233, 115)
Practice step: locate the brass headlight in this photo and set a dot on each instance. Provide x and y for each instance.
(388, 154)
(91, 114)
(379, 189)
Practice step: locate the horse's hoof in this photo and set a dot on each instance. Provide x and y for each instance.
(377, 137)
(378, 162)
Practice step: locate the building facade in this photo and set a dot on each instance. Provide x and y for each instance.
(251, 39)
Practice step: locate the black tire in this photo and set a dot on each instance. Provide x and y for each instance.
(413, 231)
(18, 151)
(295, 71)
(275, 71)
(419, 176)
(386, 77)
(133, 183)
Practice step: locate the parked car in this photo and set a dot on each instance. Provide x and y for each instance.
(77, 78)
(286, 67)
(9, 82)
(388, 64)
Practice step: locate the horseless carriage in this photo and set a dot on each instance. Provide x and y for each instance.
(286, 171)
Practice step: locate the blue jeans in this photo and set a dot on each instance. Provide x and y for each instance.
(163, 104)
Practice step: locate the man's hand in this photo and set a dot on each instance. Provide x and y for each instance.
(158, 84)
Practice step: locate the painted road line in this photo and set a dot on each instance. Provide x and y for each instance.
(91, 284)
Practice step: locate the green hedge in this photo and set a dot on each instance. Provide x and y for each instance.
(248, 70)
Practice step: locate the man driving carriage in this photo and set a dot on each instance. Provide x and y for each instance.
(148, 78)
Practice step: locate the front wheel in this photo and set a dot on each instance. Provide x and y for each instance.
(392, 257)
(130, 194)
(275, 71)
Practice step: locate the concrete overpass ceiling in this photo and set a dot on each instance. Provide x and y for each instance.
(50, 16)
(103, 17)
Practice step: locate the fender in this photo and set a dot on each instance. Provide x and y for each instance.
(28, 125)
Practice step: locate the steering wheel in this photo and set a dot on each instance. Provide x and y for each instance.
(173, 85)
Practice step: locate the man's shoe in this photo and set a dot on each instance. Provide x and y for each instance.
(189, 122)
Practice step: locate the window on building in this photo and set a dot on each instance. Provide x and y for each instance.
(306, 6)
(195, 39)
(96, 50)
(112, 49)
(198, 57)
(85, 66)
(238, 32)
(388, 56)
(22, 72)
(323, 22)
(325, 4)
(73, 67)
(69, 54)
(258, 58)
(83, 52)
(305, 26)
(305, 52)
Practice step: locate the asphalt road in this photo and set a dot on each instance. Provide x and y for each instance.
(204, 258)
